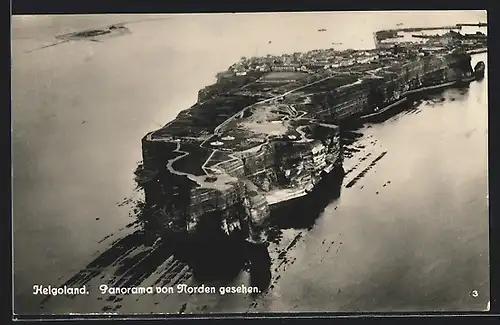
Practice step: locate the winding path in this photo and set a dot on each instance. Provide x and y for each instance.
(171, 161)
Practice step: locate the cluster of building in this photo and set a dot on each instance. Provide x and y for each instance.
(449, 40)
(304, 62)
(324, 59)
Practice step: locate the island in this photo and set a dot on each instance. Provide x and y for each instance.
(268, 130)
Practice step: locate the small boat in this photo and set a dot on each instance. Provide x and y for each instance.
(322, 30)
(399, 24)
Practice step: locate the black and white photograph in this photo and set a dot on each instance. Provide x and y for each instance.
(250, 163)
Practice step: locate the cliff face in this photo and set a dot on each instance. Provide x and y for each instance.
(378, 87)
(237, 209)
(293, 167)
(207, 206)
(234, 195)
(428, 71)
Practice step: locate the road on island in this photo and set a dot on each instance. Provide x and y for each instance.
(220, 126)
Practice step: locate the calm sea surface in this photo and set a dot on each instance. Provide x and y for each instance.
(411, 234)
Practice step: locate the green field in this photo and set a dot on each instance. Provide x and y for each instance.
(283, 75)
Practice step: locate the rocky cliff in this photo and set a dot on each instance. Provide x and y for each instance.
(231, 193)
(284, 169)
(211, 205)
